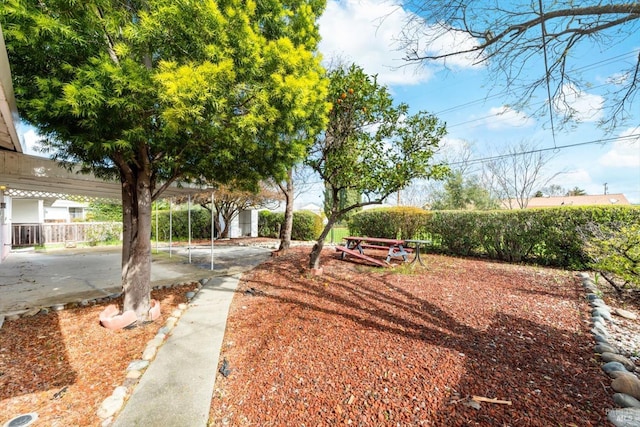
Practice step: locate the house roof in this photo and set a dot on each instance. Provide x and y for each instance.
(588, 200)
(8, 112)
(22, 175)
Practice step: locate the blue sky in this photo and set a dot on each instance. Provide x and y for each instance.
(466, 98)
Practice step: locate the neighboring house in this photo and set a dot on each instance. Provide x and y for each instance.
(313, 208)
(378, 206)
(557, 201)
(65, 211)
(28, 216)
(245, 224)
(39, 211)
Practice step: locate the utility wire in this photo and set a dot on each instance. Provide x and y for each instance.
(505, 92)
(540, 150)
(449, 126)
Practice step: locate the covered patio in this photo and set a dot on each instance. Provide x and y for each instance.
(27, 176)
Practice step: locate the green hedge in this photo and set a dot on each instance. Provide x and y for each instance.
(269, 223)
(390, 223)
(551, 236)
(200, 225)
(306, 225)
(104, 232)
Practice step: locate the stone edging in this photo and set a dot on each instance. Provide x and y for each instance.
(114, 403)
(622, 370)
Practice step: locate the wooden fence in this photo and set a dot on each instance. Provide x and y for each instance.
(39, 234)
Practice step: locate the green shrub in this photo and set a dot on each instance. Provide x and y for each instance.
(551, 236)
(200, 225)
(615, 253)
(269, 223)
(104, 212)
(103, 232)
(306, 225)
(456, 232)
(390, 223)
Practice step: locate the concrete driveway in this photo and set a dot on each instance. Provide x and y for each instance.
(41, 279)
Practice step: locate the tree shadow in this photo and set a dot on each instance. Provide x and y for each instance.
(38, 364)
(548, 373)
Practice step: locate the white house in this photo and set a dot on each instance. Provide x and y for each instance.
(38, 211)
(316, 209)
(245, 224)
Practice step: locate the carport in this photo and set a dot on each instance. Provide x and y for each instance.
(27, 176)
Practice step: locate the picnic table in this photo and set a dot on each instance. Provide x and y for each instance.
(418, 243)
(356, 245)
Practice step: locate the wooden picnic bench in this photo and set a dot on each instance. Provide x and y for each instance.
(356, 245)
(357, 254)
(417, 243)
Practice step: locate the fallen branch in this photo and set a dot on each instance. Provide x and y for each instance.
(489, 400)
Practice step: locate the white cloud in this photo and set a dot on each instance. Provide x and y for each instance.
(625, 152)
(456, 145)
(505, 117)
(441, 39)
(32, 143)
(580, 178)
(366, 32)
(579, 105)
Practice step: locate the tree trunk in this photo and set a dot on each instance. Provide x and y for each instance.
(136, 246)
(224, 234)
(216, 225)
(213, 210)
(314, 256)
(285, 231)
(127, 222)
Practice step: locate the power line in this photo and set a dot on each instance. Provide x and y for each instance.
(505, 92)
(540, 150)
(478, 119)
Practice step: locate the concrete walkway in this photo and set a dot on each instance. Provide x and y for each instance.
(177, 387)
(31, 279)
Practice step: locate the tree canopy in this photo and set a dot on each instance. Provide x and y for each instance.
(370, 147)
(155, 91)
(515, 38)
(460, 192)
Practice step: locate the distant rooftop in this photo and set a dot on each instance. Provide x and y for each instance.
(588, 200)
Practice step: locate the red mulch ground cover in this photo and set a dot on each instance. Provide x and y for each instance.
(408, 347)
(355, 346)
(63, 364)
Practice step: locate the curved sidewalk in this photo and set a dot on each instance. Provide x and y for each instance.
(177, 387)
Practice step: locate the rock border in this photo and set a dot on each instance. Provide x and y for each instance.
(622, 371)
(113, 404)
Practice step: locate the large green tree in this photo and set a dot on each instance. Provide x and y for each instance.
(370, 147)
(460, 192)
(156, 91)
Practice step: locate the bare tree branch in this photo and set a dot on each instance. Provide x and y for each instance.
(517, 174)
(510, 41)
